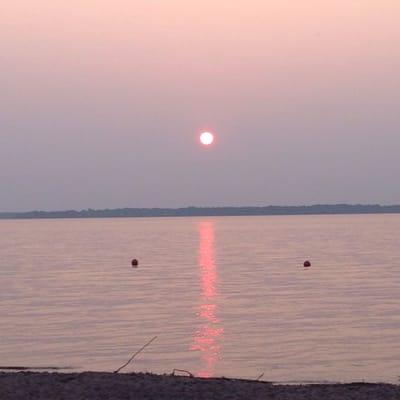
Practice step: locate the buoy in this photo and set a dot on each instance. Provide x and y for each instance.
(307, 263)
(135, 262)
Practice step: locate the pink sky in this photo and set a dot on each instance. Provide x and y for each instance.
(102, 101)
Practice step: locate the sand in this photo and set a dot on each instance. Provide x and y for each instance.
(140, 386)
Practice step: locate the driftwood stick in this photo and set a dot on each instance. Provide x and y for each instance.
(260, 377)
(139, 351)
(182, 370)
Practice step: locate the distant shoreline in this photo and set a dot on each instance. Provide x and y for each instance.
(317, 209)
(140, 386)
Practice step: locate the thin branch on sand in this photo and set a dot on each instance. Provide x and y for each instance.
(182, 370)
(260, 377)
(139, 351)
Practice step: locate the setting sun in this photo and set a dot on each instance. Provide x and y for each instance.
(206, 138)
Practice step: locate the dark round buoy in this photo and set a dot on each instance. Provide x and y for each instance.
(135, 262)
(307, 264)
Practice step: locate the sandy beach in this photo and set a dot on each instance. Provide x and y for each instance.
(140, 386)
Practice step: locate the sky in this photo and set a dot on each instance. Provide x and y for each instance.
(102, 102)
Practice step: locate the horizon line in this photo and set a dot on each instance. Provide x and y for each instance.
(312, 209)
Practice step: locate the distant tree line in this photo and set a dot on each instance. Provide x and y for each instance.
(208, 211)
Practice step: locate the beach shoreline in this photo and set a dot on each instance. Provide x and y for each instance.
(145, 386)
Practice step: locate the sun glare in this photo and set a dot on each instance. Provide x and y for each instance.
(206, 138)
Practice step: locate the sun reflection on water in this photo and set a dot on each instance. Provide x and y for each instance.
(206, 339)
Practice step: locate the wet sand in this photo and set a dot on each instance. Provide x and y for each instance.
(140, 386)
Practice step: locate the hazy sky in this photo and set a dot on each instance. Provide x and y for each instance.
(101, 102)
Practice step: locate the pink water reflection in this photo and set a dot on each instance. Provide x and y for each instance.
(206, 339)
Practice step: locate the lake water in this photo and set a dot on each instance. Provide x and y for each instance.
(225, 296)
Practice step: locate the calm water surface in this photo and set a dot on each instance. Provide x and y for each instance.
(225, 296)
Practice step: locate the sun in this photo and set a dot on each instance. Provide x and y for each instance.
(206, 138)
